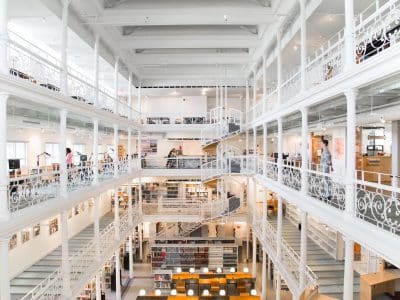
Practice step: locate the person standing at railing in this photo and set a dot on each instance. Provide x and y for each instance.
(171, 162)
(69, 157)
(326, 166)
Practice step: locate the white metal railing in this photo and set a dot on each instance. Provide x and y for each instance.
(289, 258)
(81, 261)
(159, 118)
(106, 170)
(291, 87)
(179, 162)
(210, 169)
(377, 29)
(30, 190)
(29, 62)
(80, 176)
(176, 206)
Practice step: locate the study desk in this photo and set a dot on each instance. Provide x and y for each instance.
(378, 283)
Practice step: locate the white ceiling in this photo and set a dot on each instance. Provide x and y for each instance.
(177, 40)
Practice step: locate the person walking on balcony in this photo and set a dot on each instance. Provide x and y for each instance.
(326, 166)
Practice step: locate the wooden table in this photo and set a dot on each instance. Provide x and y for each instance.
(378, 283)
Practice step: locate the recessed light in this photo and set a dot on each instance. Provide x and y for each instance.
(295, 47)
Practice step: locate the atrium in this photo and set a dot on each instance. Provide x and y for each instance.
(199, 149)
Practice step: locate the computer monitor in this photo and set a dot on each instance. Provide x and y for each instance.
(14, 164)
(83, 157)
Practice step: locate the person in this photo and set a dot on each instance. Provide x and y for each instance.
(69, 157)
(180, 229)
(171, 160)
(326, 165)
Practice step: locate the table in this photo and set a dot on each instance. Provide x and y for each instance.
(378, 283)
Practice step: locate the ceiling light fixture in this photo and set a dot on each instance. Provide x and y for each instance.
(226, 18)
(295, 47)
(382, 119)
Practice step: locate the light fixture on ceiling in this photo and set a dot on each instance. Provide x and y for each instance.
(382, 120)
(330, 18)
(295, 47)
(225, 18)
(157, 292)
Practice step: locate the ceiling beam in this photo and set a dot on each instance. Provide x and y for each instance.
(189, 41)
(183, 16)
(188, 58)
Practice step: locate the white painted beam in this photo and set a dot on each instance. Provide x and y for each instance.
(183, 59)
(188, 41)
(184, 16)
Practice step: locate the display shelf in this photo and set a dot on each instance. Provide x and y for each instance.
(194, 252)
(162, 279)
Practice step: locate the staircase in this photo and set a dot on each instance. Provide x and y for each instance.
(330, 272)
(31, 277)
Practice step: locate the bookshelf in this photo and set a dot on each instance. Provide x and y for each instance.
(194, 252)
(162, 279)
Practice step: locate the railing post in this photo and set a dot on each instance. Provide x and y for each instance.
(280, 150)
(64, 47)
(117, 275)
(303, 249)
(348, 270)
(304, 150)
(4, 176)
(5, 269)
(254, 92)
(116, 73)
(254, 148)
(264, 75)
(265, 148)
(349, 35)
(279, 66)
(65, 263)
(130, 251)
(116, 158)
(116, 215)
(96, 70)
(247, 103)
(3, 37)
(130, 150)
(62, 149)
(303, 43)
(95, 151)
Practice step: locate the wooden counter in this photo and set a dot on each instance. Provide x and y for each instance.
(377, 164)
(378, 283)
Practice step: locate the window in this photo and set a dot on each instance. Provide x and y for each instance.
(17, 150)
(78, 148)
(54, 151)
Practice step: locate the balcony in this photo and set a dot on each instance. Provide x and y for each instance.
(377, 29)
(29, 63)
(28, 191)
(172, 166)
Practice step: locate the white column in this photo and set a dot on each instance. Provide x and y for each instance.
(96, 69)
(116, 158)
(280, 150)
(116, 73)
(279, 229)
(265, 148)
(279, 66)
(4, 176)
(264, 276)
(226, 102)
(264, 76)
(139, 97)
(117, 275)
(116, 215)
(303, 249)
(130, 250)
(4, 270)
(62, 146)
(247, 103)
(139, 143)
(3, 37)
(140, 201)
(130, 208)
(247, 243)
(304, 150)
(278, 285)
(65, 265)
(130, 78)
(348, 270)
(395, 152)
(140, 226)
(255, 147)
(95, 158)
(98, 286)
(254, 256)
(130, 165)
(64, 48)
(350, 151)
(349, 39)
(217, 96)
(254, 92)
(96, 217)
(303, 44)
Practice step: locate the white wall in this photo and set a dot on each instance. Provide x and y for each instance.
(175, 105)
(26, 254)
